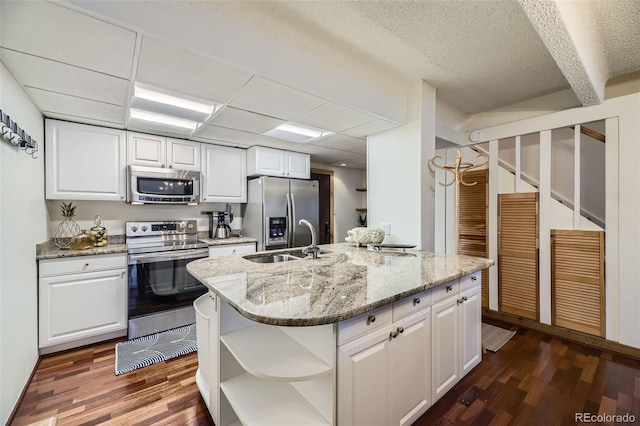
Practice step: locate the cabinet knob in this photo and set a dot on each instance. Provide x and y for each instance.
(474, 278)
(371, 318)
(416, 301)
(234, 251)
(86, 265)
(123, 274)
(449, 288)
(464, 298)
(400, 330)
(459, 301)
(393, 334)
(122, 197)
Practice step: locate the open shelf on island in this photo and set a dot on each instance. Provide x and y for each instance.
(279, 357)
(264, 402)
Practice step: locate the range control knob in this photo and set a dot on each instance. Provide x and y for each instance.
(134, 228)
(144, 228)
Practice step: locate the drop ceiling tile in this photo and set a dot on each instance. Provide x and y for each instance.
(78, 107)
(246, 121)
(334, 117)
(224, 134)
(165, 65)
(40, 73)
(51, 31)
(358, 149)
(370, 128)
(275, 100)
(339, 141)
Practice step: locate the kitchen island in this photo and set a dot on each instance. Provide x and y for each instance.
(353, 337)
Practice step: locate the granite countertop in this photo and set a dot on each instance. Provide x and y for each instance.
(49, 250)
(344, 282)
(226, 241)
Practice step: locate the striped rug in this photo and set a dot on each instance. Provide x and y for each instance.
(494, 337)
(158, 347)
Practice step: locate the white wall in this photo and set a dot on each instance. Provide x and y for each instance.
(345, 198)
(22, 226)
(400, 185)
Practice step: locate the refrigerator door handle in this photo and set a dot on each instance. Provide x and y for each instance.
(293, 220)
(289, 221)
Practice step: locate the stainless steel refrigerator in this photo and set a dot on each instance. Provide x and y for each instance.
(274, 207)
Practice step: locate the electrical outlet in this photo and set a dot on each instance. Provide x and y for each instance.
(386, 227)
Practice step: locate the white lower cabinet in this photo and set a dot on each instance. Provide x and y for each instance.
(384, 378)
(207, 332)
(82, 298)
(457, 336)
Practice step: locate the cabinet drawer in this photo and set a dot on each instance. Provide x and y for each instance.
(445, 290)
(411, 304)
(470, 280)
(364, 323)
(74, 265)
(226, 250)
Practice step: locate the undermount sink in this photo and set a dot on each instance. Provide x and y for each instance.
(279, 257)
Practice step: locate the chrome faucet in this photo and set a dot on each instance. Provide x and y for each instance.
(313, 248)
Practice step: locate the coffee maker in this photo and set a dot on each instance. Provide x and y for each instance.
(223, 230)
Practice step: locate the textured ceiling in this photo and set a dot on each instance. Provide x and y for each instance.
(344, 65)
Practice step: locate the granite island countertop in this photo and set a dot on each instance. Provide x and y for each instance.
(342, 283)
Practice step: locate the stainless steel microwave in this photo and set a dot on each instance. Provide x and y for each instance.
(156, 185)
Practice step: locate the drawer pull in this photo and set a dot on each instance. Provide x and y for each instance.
(449, 288)
(393, 334)
(416, 301)
(371, 318)
(400, 330)
(474, 278)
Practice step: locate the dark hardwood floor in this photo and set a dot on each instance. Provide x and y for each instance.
(534, 379)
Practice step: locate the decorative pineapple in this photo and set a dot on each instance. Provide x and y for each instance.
(67, 228)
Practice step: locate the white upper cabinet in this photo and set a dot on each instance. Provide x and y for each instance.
(224, 174)
(263, 161)
(159, 151)
(84, 162)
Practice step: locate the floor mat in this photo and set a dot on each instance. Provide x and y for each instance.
(158, 347)
(494, 337)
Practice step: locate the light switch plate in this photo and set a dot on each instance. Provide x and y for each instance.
(386, 227)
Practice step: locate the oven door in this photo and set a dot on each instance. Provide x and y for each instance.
(160, 281)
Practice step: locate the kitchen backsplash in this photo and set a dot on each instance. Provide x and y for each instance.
(114, 214)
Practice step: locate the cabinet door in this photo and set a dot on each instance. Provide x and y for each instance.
(471, 328)
(297, 165)
(146, 150)
(84, 162)
(364, 381)
(411, 368)
(266, 161)
(224, 174)
(445, 371)
(183, 155)
(76, 306)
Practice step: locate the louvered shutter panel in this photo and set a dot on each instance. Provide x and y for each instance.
(472, 222)
(518, 254)
(578, 280)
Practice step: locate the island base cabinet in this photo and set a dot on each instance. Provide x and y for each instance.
(384, 378)
(457, 336)
(207, 333)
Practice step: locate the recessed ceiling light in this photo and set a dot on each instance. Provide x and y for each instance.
(137, 114)
(295, 132)
(343, 164)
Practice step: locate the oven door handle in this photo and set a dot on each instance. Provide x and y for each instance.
(165, 256)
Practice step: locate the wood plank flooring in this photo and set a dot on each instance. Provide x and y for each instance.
(534, 379)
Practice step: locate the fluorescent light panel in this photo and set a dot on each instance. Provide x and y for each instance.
(295, 132)
(138, 114)
(160, 96)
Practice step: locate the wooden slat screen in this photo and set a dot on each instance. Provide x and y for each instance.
(577, 266)
(472, 221)
(518, 254)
